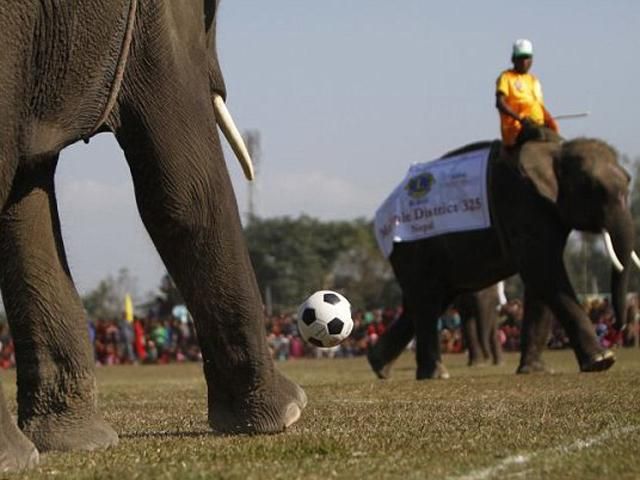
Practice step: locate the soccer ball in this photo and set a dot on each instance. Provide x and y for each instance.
(324, 319)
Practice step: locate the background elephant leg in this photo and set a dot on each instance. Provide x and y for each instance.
(16, 451)
(187, 204)
(470, 331)
(581, 333)
(484, 334)
(424, 311)
(55, 371)
(390, 345)
(494, 343)
(536, 327)
(488, 324)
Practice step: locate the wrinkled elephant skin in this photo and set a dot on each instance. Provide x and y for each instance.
(146, 70)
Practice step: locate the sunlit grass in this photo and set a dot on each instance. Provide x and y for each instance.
(482, 423)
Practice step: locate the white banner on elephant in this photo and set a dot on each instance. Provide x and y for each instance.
(437, 197)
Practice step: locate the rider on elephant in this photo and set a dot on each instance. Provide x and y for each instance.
(519, 97)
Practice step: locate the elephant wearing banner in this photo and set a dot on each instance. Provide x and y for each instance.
(535, 197)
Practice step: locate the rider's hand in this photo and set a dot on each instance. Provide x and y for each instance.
(527, 122)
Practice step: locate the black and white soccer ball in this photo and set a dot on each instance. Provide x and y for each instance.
(324, 319)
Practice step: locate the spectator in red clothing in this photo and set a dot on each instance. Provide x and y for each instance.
(139, 340)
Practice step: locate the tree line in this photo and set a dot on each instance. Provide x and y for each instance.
(293, 257)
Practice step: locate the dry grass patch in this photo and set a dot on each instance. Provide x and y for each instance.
(483, 423)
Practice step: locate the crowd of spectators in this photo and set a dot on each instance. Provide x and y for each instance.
(164, 339)
(150, 340)
(285, 343)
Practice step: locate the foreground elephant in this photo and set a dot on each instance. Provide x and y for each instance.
(146, 70)
(537, 196)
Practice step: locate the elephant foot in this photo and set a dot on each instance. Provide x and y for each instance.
(440, 372)
(258, 413)
(382, 370)
(537, 366)
(68, 434)
(16, 450)
(599, 362)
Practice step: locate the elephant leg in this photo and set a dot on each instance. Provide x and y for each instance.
(16, 450)
(55, 371)
(390, 345)
(494, 343)
(424, 311)
(187, 204)
(484, 334)
(470, 331)
(547, 282)
(536, 327)
(589, 353)
(487, 324)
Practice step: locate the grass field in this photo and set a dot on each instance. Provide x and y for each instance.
(482, 423)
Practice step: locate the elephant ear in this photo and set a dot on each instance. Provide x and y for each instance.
(538, 163)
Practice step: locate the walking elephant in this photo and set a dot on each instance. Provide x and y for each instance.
(537, 194)
(146, 70)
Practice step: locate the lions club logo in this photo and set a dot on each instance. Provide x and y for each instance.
(418, 186)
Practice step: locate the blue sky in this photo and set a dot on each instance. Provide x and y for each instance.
(347, 93)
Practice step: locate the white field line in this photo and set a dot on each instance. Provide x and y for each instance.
(550, 454)
(354, 401)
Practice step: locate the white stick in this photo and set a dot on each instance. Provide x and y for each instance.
(572, 115)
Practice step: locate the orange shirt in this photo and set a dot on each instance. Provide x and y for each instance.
(523, 94)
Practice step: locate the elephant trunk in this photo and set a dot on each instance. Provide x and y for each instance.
(621, 238)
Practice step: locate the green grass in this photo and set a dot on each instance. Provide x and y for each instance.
(482, 423)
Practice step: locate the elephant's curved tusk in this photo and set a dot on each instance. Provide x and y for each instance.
(635, 258)
(612, 253)
(231, 133)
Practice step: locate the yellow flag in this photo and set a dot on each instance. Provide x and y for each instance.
(128, 308)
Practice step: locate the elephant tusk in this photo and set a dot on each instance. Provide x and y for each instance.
(231, 133)
(634, 257)
(612, 253)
